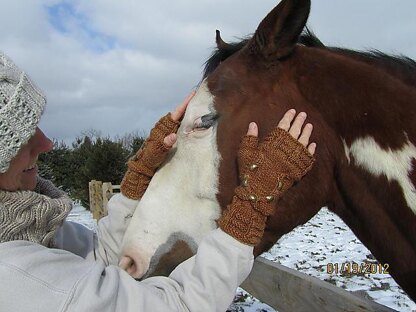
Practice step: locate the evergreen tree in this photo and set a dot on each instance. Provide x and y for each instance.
(54, 165)
(79, 180)
(135, 145)
(106, 161)
(90, 158)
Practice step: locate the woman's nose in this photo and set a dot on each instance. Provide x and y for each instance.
(44, 144)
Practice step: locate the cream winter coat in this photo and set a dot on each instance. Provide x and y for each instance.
(82, 274)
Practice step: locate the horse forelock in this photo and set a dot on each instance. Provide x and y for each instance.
(221, 54)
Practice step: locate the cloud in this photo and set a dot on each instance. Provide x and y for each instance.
(65, 18)
(117, 66)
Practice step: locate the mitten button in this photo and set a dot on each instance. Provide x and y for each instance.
(269, 198)
(244, 182)
(279, 185)
(252, 198)
(253, 167)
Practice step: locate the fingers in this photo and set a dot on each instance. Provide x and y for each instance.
(311, 148)
(285, 122)
(170, 140)
(294, 126)
(253, 130)
(304, 135)
(250, 141)
(176, 115)
(180, 110)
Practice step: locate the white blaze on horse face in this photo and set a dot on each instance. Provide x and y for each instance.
(394, 164)
(181, 197)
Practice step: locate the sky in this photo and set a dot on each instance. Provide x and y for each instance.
(117, 66)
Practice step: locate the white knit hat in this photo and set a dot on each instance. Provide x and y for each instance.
(21, 106)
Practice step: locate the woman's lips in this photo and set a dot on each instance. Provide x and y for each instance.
(30, 169)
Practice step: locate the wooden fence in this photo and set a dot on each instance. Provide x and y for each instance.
(99, 194)
(285, 289)
(280, 287)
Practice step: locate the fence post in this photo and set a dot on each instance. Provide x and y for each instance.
(107, 191)
(96, 199)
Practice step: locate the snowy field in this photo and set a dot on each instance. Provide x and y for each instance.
(324, 240)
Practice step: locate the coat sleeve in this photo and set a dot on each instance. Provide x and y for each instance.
(208, 280)
(205, 282)
(57, 280)
(111, 228)
(106, 243)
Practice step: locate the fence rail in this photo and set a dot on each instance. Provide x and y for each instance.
(280, 287)
(285, 289)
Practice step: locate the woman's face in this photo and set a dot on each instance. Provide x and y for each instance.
(21, 175)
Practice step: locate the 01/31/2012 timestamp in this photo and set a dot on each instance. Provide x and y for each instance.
(357, 268)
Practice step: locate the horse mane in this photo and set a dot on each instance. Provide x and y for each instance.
(393, 63)
(219, 55)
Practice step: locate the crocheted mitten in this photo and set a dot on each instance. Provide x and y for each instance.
(267, 170)
(142, 166)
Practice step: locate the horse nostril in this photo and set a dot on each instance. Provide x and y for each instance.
(135, 268)
(127, 264)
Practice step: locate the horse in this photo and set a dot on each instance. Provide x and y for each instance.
(362, 106)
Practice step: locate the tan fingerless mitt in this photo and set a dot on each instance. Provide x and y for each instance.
(143, 165)
(267, 170)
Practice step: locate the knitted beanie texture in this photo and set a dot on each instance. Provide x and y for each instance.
(21, 106)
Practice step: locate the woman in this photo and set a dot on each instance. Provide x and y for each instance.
(48, 264)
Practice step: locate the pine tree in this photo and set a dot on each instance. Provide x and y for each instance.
(91, 157)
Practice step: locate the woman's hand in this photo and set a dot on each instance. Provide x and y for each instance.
(294, 129)
(176, 115)
(267, 169)
(143, 165)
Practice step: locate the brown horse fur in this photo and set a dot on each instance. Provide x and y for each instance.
(347, 95)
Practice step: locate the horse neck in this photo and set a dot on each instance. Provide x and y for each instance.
(390, 241)
(348, 93)
(356, 100)
(401, 67)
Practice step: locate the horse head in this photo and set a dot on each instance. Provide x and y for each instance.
(187, 194)
(359, 106)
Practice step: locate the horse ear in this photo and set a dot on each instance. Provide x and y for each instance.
(278, 33)
(221, 44)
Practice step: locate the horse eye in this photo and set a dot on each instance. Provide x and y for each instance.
(206, 121)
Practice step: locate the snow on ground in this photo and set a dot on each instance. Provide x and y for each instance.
(81, 215)
(324, 241)
(314, 248)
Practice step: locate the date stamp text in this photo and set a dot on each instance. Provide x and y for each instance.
(357, 268)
